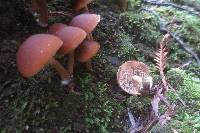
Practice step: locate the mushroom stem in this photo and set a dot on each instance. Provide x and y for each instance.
(64, 74)
(89, 36)
(34, 7)
(86, 9)
(88, 65)
(43, 13)
(70, 63)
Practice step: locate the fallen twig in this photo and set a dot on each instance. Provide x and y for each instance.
(184, 8)
(56, 13)
(163, 28)
(179, 98)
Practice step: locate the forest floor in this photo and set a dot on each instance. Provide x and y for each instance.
(41, 104)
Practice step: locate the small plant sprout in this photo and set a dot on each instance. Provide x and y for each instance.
(133, 77)
(37, 51)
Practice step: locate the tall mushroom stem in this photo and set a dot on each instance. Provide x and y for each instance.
(43, 13)
(34, 7)
(70, 63)
(64, 74)
(88, 65)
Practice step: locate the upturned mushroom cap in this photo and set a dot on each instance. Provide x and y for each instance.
(87, 22)
(79, 4)
(54, 28)
(71, 37)
(35, 52)
(132, 75)
(87, 50)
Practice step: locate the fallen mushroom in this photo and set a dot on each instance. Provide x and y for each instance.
(80, 4)
(37, 51)
(133, 77)
(86, 50)
(71, 37)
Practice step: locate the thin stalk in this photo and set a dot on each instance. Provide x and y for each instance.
(64, 74)
(70, 63)
(43, 13)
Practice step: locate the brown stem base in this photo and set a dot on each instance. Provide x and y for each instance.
(64, 74)
(88, 65)
(70, 63)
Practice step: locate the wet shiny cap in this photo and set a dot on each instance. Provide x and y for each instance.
(35, 52)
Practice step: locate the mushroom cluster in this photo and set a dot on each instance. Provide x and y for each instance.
(39, 9)
(73, 40)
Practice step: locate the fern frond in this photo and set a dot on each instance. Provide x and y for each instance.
(161, 58)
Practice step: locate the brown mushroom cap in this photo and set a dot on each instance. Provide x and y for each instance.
(87, 22)
(71, 37)
(131, 76)
(79, 4)
(54, 28)
(35, 52)
(87, 50)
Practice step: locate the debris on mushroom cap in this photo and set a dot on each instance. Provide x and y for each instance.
(87, 22)
(87, 50)
(54, 28)
(132, 75)
(79, 4)
(71, 37)
(35, 52)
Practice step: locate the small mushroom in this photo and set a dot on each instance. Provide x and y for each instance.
(54, 28)
(87, 22)
(71, 37)
(134, 78)
(80, 4)
(37, 51)
(87, 50)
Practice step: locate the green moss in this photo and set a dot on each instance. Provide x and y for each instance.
(100, 108)
(188, 88)
(189, 30)
(142, 26)
(126, 50)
